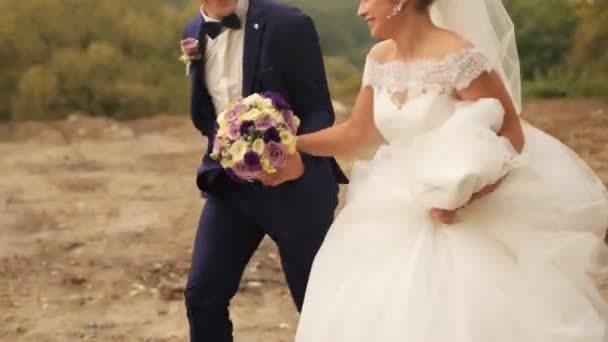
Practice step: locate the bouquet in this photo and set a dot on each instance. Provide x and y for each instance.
(255, 135)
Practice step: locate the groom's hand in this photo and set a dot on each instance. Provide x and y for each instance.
(293, 169)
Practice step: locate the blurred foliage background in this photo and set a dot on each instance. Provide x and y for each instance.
(119, 58)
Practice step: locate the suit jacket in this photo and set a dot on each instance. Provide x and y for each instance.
(281, 54)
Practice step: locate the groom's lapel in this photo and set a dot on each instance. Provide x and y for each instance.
(254, 31)
(202, 49)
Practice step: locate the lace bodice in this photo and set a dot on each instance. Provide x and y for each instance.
(412, 97)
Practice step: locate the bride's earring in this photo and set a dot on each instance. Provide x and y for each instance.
(396, 10)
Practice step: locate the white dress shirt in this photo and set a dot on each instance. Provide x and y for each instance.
(224, 61)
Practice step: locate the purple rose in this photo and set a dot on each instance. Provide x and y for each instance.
(245, 126)
(239, 107)
(234, 113)
(189, 46)
(276, 154)
(278, 101)
(272, 134)
(231, 115)
(290, 121)
(250, 168)
(234, 131)
(252, 160)
(264, 123)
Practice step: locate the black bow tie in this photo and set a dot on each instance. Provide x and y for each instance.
(214, 28)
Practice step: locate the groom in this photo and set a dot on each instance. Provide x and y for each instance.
(250, 46)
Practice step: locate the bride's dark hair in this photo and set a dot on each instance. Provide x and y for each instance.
(423, 5)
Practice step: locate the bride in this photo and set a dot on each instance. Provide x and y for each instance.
(451, 233)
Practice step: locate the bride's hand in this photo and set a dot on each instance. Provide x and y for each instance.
(293, 169)
(450, 216)
(485, 191)
(443, 215)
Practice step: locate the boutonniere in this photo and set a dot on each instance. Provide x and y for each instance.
(190, 52)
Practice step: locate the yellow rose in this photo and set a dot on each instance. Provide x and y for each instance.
(227, 162)
(289, 140)
(252, 99)
(251, 115)
(266, 104)
(222, 131)
(286, 137)
(221, 119)
(222, 126)
(275, 115)
(238, 150)
(258, 146)
(291, 148)
(266, 166)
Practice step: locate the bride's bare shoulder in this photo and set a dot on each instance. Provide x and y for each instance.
(447, 42)
(439, 44)
(382, 51)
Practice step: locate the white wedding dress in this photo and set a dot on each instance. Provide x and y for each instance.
(517, 265)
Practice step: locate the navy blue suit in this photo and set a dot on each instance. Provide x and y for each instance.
(281, 54)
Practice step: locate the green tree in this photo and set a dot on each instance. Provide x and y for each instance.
(591, 41)
(105, 57)
(120, 57)
(37, 94)
(544, 33)
(590, 53)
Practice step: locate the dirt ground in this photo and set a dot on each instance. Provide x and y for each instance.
(97, 219)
